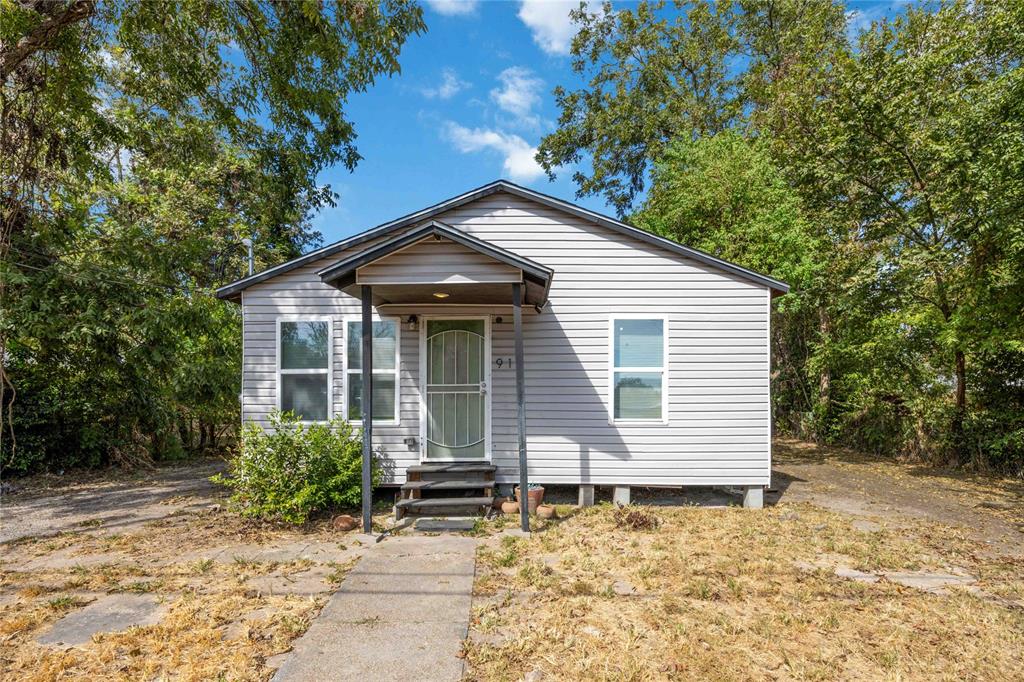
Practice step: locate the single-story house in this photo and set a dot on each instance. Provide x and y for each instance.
(517, 337)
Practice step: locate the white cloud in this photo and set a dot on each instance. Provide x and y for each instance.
(549, 21)
(453, 8)
(450, 86)
(518, 163)
(519, 94)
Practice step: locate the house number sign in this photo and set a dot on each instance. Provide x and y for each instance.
(503, 362)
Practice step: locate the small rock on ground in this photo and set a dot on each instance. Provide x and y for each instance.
(344, 523)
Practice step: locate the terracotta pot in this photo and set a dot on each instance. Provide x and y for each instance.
(547, 511)
(510, 507)
(534, 498)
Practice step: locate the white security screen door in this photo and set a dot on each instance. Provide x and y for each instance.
(456, 390)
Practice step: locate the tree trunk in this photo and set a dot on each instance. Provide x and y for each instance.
(824, 378)
(960, 411)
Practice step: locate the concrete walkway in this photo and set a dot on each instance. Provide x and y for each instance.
(401, 613)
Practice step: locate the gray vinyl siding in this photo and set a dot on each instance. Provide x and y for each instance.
(718, 430)
(430, 262)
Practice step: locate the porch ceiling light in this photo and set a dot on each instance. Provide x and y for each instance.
(440, 294)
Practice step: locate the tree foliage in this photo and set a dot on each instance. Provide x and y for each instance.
(139, 143)
(879, 171)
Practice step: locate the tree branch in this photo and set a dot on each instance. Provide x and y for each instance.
(43, 35)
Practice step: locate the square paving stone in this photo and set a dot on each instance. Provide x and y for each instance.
(111, 613)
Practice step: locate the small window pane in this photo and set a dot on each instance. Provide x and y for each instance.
(305, 395)
(638, 395)
(304, 345)
(385, 334)
(639, 343)
(383, 396)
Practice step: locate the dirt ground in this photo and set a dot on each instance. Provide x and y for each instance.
(51, 504)
(988, 509)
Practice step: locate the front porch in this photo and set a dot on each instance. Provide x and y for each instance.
(441, 282)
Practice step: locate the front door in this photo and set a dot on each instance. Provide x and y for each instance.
(456, 404)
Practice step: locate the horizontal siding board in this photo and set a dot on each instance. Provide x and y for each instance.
(718, 388)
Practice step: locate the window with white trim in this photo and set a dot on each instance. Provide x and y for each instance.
(304, 368)
(638, 350)
(385, 370)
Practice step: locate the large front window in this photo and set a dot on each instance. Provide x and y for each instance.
(304, 368)
(638, 369)
(385, 370)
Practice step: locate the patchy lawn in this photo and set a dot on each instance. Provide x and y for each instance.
(862, 569)
(226, 594)
(795, 591)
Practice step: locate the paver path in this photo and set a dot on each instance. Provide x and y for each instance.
(401, 613)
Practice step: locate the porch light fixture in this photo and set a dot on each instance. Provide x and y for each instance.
(440, 294)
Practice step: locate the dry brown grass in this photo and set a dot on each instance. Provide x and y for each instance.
(718, 594)
(204, 634)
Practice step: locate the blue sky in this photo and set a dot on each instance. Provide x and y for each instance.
(471, 104)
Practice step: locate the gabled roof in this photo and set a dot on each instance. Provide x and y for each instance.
(343, 273)
(234, 289)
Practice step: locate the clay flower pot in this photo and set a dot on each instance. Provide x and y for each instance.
(547, 511)
(534, 497)
(510, 507)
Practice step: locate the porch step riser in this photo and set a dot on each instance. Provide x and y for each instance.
(445, 484)
(452, 468)
(442, 512)
(467, 477)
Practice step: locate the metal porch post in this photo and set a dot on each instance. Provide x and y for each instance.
(517, 317)
(367, 405)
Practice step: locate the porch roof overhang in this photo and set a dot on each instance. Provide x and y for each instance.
(484, 282)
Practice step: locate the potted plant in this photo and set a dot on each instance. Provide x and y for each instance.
(534, 496)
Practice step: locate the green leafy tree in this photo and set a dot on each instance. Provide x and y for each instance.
(139, 143)
(907, 134)
(894, 156)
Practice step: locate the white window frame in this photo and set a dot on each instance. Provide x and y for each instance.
(663, 369)
(396, 371)
(330, 361)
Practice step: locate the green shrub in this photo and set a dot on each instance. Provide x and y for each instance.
(292, 470)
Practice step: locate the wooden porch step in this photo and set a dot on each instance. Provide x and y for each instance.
(430, 502)
(451, 468)
(447, 485)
